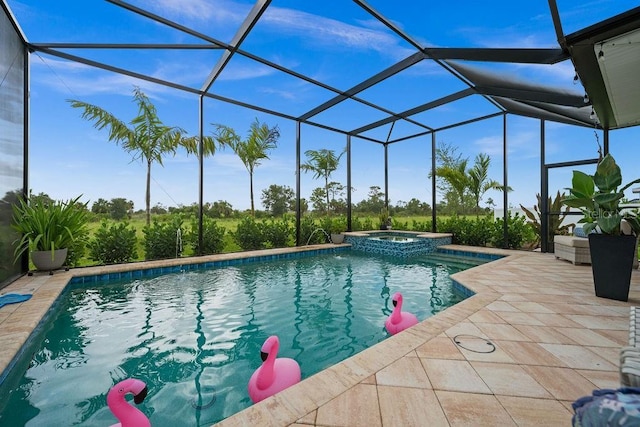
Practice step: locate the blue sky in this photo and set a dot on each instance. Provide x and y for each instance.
(336, 43)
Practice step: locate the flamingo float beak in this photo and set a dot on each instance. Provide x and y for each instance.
(264, 355)
(394, 302)
(139, 398)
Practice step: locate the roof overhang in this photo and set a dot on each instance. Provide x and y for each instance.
(606, 57)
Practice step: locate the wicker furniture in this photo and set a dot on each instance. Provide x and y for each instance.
(572, 248)
(630, 355)
(576, 249)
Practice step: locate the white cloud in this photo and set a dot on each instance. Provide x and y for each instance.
(286, 94)
(560, 74)
(77, 80)
(222, 12)
(226, 163)
(368, 35)
(327, 30)
(521, 144)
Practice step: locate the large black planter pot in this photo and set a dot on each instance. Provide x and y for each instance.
(611, 263)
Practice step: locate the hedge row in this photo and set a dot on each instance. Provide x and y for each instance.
(116, 243)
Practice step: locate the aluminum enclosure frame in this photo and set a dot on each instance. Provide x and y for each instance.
(507, 96)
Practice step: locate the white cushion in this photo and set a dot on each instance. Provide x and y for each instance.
(576, 242)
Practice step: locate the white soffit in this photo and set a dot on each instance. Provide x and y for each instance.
(620, 68)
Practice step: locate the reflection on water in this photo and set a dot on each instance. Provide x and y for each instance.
(399, 239)
(195, 337)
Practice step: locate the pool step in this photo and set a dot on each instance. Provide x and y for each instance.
(456, 261)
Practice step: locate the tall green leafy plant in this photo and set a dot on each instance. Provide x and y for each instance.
(555, 225)
(48, 226)
(598, 196)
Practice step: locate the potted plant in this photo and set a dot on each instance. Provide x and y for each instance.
(612, 233)
(48, 230)
(385, 219)
(337, 238)
(334, 228)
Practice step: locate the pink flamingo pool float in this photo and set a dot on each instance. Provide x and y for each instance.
(123, 411)
(399, 320)
(275, 374)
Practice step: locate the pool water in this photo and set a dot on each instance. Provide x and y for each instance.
(195, 337)
(401, 239)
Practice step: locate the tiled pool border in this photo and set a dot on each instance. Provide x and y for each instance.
(178, 268)
(470, 254)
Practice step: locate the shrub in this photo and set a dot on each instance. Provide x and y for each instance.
(518, 232)
(451, 225)
(75, 252)
(309, 234)
(161, 239)
(477, 232)
(278, 233)
(334, 224)
(361, 224)
(249, 234)
(421, 226)
(212, 237)
(399, 225)
(115, 244)
(484, 231)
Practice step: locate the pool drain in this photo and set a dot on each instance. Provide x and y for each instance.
(474, 343)
(194, 402)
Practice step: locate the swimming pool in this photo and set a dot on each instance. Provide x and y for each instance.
(194, 337)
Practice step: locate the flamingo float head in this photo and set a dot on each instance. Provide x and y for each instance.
(397, 299)
(124, 412)
(136, 387)
(269, 347)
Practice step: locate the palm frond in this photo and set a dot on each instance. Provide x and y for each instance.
(119, 132)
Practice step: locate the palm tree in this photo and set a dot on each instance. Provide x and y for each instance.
(322, 163)
(479, 182)
(146, 137)
(251, 151)
(457, 178)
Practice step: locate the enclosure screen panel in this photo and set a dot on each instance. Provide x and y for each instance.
(12, 120)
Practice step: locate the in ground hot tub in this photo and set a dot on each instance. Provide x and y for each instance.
(398, 239)
(397, 243)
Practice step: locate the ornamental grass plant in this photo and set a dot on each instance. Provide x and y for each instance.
(48, 226)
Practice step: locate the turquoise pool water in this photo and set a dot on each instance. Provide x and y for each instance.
(194, 337)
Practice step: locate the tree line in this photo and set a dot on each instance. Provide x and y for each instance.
(148, 139)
